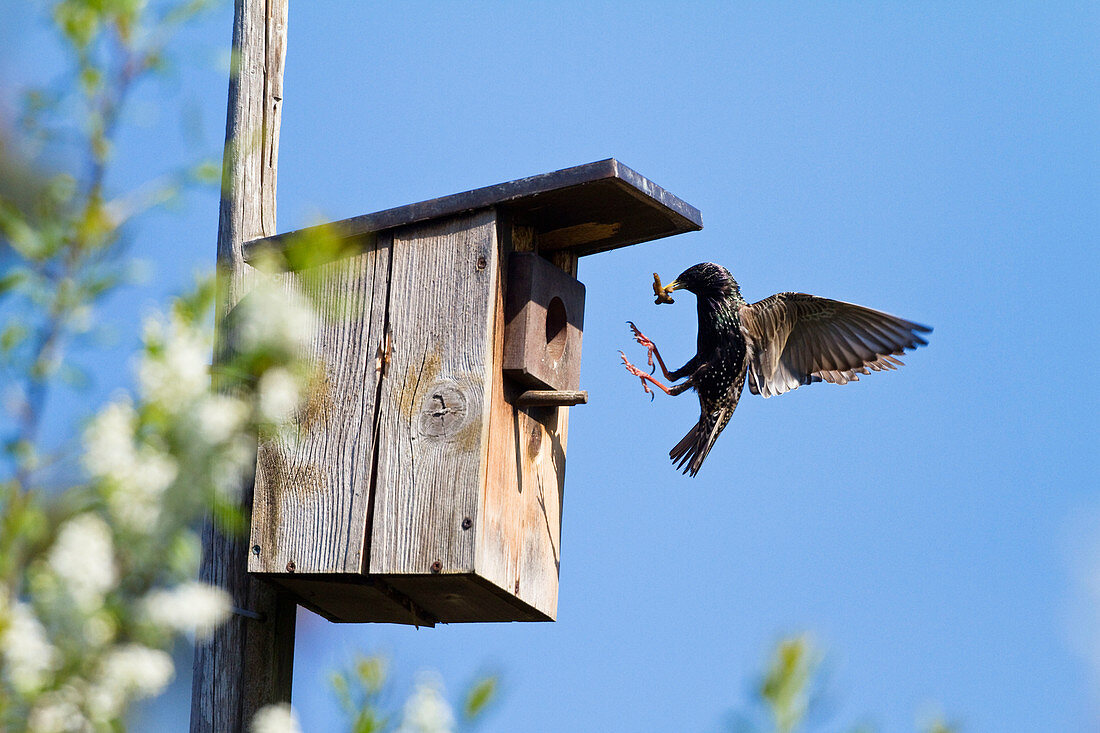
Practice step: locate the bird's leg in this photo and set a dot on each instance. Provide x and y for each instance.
(670, 391)
(652, 348)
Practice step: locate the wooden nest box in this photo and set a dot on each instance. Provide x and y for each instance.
(425, 482)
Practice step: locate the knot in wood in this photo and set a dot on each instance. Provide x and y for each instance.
(443, 412)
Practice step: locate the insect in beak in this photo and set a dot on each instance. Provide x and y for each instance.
(662, 291)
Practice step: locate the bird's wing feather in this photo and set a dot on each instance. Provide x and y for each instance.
(693, 448)
(798, 339)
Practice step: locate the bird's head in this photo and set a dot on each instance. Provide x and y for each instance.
(704, 279)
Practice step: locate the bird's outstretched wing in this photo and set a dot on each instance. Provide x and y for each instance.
(798, 339)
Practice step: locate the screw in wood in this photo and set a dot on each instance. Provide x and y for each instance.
(517, 586)
(255, 549)
(437, 566)
(482, 263)
(467, 523)
(290, 566)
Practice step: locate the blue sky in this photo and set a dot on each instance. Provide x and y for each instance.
(936, 528)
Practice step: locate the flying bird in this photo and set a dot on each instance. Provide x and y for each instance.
(778, 343)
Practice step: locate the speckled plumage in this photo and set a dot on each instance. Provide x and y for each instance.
(777, 344)
(717, 370)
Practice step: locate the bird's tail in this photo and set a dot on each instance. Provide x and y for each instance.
(692, 450)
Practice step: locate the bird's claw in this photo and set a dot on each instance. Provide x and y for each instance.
(637, 373)
(644, 341)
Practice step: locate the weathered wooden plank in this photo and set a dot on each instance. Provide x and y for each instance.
(587, 208)
(321, 473)
(247, 662)
(433, 410)
(274, 64)
(544, 483)
(519, 526)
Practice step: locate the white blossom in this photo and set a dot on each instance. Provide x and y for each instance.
(58, 712)
(28, 656)
(192, 606)
(426, 711)
(218, 417)
(277, 718)
(128, 672)
(136, 477)
(274, 318)
(82, 556)
(109, 441)
(175, 367)
(81, 318)
(100, 628)
(278, 395)
(136, 500)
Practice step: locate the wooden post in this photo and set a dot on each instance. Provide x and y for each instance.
(247, 664)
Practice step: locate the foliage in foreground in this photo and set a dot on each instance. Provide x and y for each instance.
(788, 696)
(98, 553)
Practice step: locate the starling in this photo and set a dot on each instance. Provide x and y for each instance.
(779, 343)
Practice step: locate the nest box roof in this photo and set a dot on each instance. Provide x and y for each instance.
(588, 208)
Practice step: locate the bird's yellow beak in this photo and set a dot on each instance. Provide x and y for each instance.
(662, 291)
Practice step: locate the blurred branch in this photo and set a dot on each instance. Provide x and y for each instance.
(59, 233)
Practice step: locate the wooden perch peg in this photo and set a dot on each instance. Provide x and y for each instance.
(552, 398)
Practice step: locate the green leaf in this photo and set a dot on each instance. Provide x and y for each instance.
(12, 335)
(91, 80)
(99, 283)
(156, 63)
(184, 553)
(208, 172)
(478, 698)
(78, 22)
(61, 188)
(229, 518)
(12, 279)
(19, 233)
(786, 686)
(197, 305)
(372, 673)
(339, 685)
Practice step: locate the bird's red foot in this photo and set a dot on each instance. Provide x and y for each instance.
(638, 373)
(644, 341)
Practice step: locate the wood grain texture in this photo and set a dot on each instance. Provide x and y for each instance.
(544, 323)
(321, 474)
(433, 408)
(519, 526)
(274, 60)
(551, 398)
(247, 663)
